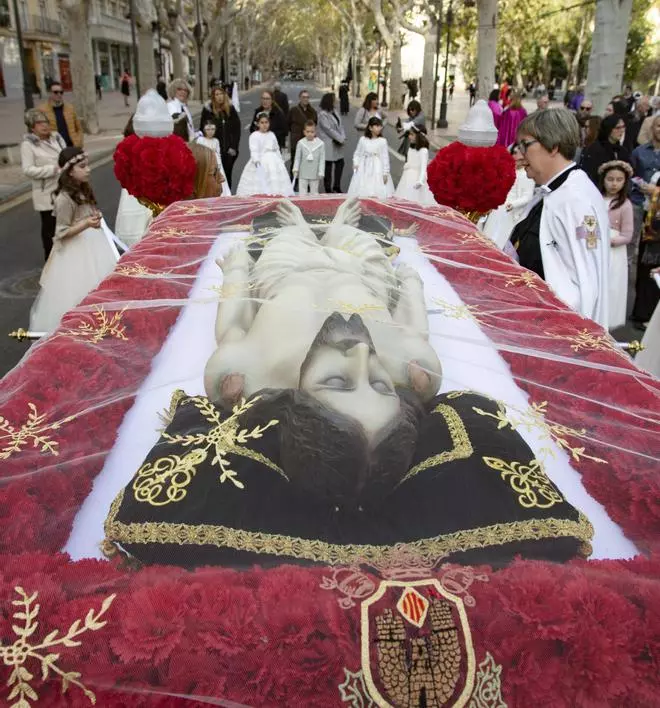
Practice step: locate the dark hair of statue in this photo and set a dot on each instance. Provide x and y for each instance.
(80, 192)
(372, 121)
(327, 454)
(327, 102)
(621, 197)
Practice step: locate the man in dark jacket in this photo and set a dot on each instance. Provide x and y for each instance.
(281, 98)
(298, 116)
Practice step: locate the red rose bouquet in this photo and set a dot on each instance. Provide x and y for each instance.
(471, 179)
(158, 170)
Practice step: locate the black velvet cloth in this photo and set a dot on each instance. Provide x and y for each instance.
(456, 491)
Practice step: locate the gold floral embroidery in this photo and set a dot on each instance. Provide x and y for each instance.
(348, 308)
(584, 339)
(488, 689)
(354, 690)
(527, 278)
(100, 329)
(17, 655)
(165, 480)
(462, 447)
(35, 430)
(137, 270)
(433, 549)
(534, 419)
(529, 481)
(169, 232)
(457, 312)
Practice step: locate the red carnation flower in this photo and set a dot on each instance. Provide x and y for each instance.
(471, 178)
(161, 170)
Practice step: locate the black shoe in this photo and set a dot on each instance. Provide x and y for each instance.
(337, 191)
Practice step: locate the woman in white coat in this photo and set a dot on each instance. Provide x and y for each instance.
(499, 224)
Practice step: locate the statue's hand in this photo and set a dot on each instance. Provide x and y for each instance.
(349, 213)
(238, 258)
(289, 215)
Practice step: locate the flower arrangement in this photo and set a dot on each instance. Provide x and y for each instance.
(471, 179)
(582, 634)
(159, 171)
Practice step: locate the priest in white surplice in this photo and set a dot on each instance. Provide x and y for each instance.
(564, 237)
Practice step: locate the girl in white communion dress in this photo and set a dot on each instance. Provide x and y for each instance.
(371, 164)
(265, 172)
(413, 185)
(212, 143)
(83, 252)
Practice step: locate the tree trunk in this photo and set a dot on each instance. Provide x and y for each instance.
(575, 63)
(146, 65)
(82, 64)
(428, 71)
(177, 54)
(608, 51)
(396, 75)
(486, 46)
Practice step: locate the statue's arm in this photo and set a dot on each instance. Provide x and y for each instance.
(236, 309)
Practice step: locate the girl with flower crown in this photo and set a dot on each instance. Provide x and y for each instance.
(614, 182)
(265, 172)
(83, 251)
(371, 164)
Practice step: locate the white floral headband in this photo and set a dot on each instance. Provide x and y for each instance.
(74, 161)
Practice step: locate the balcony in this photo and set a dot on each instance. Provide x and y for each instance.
(42, 25)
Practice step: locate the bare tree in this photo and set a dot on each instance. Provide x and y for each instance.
(82, 63)
(486, 46)
(608, 51)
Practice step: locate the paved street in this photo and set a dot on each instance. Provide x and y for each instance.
(22, 255)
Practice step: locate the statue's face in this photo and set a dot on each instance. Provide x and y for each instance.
(343, 371)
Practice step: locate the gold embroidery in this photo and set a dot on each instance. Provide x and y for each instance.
(588, 340)
(529, 481)
(102, 328)
(193, 209)
(432, 549)
(137, 270)
(457, 312)
(528, 278)
(16, 655)
(34, 430)
(436, 657)
(488, 689)
(354, 691)
(167, 416)
(534, 419)
(462, 447)
(348, 308)
(169, 232)
(165, 480)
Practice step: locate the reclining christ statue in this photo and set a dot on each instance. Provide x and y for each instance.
(323, 349)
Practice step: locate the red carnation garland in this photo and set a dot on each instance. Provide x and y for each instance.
(160, 170)
(471, 179)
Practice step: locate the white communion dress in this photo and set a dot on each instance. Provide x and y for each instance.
(265, 172)
(214, 145)
(372, 160)
(413, 185)
(75, 267)
(499, 224)
(132, 220)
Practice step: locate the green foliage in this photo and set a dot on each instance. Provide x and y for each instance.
(639, 49)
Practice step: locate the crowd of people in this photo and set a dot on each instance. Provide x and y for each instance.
(620, 153)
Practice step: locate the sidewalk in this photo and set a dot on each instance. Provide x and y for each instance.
(113, 116)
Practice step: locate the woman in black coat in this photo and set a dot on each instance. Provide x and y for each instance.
(278, 122)
(606, 147)
(227, 127)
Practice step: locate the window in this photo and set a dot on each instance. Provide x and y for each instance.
(5, 17)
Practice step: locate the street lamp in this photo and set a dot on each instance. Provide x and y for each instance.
(442, 121)
(384, 101)
(27, 88)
